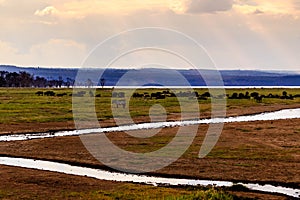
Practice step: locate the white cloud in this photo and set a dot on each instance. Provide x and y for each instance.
(80, 9)
(178, 6)
(49, 10)
(275, 7)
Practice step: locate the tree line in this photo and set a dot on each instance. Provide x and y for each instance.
(25, 79)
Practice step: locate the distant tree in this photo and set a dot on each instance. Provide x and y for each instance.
(89, 83)
(40, 82)
(13, 79)
(70, 82)
(60, 81)
(102, 82)
(26, 79)
(52, 83)
(3, 78)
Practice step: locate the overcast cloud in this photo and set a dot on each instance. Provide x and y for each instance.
(238, 34)
(207, 6)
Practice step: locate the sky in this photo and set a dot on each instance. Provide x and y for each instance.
(236, 34)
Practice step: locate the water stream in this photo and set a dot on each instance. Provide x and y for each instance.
(277, 115)
(122, 177)
(114, 176)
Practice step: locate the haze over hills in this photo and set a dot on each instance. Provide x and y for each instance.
(170, 77)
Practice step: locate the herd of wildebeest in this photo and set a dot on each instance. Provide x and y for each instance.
(166, 93)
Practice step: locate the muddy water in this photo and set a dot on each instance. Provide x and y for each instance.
(122, 177)
(282, 114)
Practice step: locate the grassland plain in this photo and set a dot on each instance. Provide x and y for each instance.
(242, 153)
(23, 109)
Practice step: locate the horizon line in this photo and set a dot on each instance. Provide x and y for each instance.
(132, 68)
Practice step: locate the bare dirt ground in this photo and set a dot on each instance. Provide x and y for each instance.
(267, 152)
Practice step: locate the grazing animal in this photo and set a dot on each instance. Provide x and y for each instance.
(91, 93)
(258, 99)
(161, 96)
(202, 98)
(39, 93)
(61, 95)
(49, 93)
(79, 94)
(119, 103)
(137, 95)
(118, 94)
(146, 96)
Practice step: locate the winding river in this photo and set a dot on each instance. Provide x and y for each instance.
(115, 176)
(122, 177)
(277, 115)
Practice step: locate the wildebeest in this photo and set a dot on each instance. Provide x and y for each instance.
(118, 103)
(297, 95)
(49, 93)
(146, 95)
(79, 94)
(258, 99)
(158, 95)
(39, 93)
(206, 94)
(254, 94)
(91, 93)
(137, 95)
(118, 94)
(62, 94)
(202, 97)
(114, 94)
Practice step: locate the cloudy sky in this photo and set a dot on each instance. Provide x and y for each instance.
(237, 34)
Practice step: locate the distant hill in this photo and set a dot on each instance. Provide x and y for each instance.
(138, 76)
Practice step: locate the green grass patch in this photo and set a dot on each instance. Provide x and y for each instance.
(22, 105)
(132, 192)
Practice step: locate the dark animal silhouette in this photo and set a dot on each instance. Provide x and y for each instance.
(258, 99)
(39, 93)
(49, 93)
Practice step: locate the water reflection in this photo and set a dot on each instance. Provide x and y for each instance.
(122, 177)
